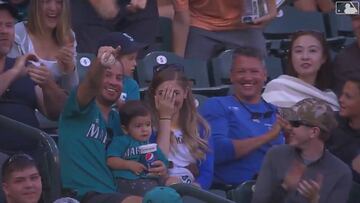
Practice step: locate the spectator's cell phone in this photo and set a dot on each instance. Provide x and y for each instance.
(248, 19)
(35, 63)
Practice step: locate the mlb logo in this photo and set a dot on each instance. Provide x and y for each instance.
(347, 8)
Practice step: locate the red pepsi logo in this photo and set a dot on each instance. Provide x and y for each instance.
(149, 156)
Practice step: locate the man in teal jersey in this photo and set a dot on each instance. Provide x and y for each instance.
(86, 126)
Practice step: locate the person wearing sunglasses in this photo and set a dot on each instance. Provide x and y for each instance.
(344, 141)
(21, 180)
(308, 73)
(85, 129)
(244, 126)
(303, 170)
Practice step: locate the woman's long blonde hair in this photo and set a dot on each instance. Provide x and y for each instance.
(189, 119)
(62, 33)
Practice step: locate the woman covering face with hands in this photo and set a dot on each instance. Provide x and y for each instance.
(181, 133)
(48, 35)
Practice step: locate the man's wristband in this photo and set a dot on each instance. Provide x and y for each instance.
(165, 118)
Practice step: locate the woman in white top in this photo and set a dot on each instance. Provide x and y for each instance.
(308, 73)
(48, 35)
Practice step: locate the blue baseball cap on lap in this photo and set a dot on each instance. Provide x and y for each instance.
(125, 41)
(162, 195)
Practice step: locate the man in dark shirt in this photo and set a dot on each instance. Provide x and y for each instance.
(345, 139)
(24, 87)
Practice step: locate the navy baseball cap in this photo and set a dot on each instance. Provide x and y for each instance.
(125, 41)
(12, 10)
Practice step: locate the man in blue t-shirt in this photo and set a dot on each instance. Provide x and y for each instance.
(243, 125)
(86, 126)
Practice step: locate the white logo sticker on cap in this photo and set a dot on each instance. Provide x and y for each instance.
(85, 61)
(161, 59)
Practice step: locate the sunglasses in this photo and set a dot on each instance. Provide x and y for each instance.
(297, 124)
(175, 66)
(256, 116)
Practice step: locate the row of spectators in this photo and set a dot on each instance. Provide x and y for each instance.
(227, 143)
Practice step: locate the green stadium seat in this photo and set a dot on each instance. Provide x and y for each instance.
(164, 37)
(221, 66)
(294, 20)
(83, 62)
(199, 99)
(196, 70)
(274, 67)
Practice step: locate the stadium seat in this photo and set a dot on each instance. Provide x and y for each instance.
(83, 62)
(199, 99)
(196, 70)
(164, 37)
(144, 71)
(344, 27)
(243, 193)
(294, 20)
(45, 124)
(43, 150)
(274, 67)
(221, 66)
(189, 190)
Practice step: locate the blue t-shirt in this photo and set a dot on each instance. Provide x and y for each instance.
(83, 137)
(126, 147)
(229, 120)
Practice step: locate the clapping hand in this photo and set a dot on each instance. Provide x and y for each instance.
(21, 62)
(66, 55)
(311, 188)
(65, 58)
(293, 176)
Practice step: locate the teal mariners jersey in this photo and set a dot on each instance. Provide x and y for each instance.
(83, 137)
(127, 148)
(131, 90)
